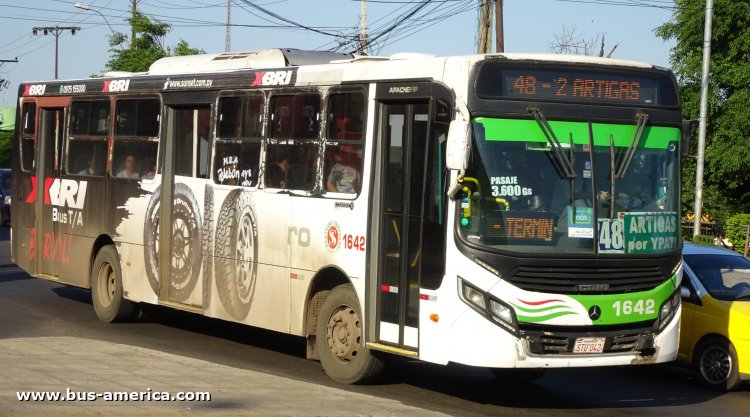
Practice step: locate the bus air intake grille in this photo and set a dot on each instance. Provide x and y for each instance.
(577, 280)
(558, 342)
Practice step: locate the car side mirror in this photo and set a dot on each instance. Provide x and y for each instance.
(685, 293)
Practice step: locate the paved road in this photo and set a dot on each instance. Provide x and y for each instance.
(50, 340)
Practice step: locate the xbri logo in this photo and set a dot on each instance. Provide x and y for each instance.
(268, 78)
(112, 86)
(60, 193)
(34, 89)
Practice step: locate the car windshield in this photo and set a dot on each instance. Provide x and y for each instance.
(527, 193)
(725, 277)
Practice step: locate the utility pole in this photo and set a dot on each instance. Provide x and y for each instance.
(499, 37)
(132, 24)
(228, 37)
(485, 27)
(56, 31)
(703, 119)
(363, 27)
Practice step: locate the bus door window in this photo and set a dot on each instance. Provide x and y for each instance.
(343, 152)
(292, 155)
(238, 144)
(191, 147)
(28, 136)
(136, 144)
(87, 137)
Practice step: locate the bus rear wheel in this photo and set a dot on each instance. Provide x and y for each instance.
(106, 288)
(340, 341)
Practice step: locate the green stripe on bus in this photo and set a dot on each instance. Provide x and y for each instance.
(513, 130)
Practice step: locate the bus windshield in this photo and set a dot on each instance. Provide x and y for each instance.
(600, 188)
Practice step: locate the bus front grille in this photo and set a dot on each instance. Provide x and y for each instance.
(577, 280)
(559, 342)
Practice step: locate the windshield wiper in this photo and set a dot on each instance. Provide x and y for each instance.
(640, 126)
(566, 163)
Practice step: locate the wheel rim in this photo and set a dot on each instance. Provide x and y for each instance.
(715, 365)
(107, 285)
(245, 256)
(344, 334)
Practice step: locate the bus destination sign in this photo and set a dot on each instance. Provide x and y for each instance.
(572, 86)
(519, 226)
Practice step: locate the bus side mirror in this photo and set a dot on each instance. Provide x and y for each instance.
(457, 148)
(688, 126)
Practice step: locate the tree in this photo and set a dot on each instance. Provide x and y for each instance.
(147, 47)
(726, 186)
(570, 42)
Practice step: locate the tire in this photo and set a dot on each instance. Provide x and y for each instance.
(208, 244)
(106, 288)
(236, 260)
(340, 342)
(716, 364)
(186, 234)
(518, 375)
(151, 240)
(187, 241)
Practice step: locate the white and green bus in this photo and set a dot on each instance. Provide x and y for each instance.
(499, 211)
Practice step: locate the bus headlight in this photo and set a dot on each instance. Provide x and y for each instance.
(493, 309)
(474, 296)
(668, 308)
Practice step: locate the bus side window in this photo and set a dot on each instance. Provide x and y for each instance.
(238, 144)
(343, 153)
(28, 136)
(86, 152)
(295, 119)
(136, 142)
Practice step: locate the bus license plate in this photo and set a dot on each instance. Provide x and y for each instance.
(589, 345)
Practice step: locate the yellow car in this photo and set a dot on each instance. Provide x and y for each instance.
(715, 326)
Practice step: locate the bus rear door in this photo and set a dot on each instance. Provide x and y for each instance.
(50, 249)
(185, 172)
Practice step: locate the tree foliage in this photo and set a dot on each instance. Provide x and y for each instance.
(727, 153)
(147, 46)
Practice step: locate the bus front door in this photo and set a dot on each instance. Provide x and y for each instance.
(50, 246)
(404, 131)
(183, 216)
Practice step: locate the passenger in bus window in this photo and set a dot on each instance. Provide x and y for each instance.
(151, 173)
(129, 168)
(276, 175)
(90, 166)
(342, 178)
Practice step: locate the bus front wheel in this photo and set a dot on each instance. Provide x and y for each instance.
(106, 288)
(340, 341)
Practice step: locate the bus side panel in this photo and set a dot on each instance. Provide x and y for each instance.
(334, 236)
(250, 282)
(78, 219)
(126, 218)
(23, 219)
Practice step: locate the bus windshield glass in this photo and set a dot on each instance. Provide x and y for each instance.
(526, 193)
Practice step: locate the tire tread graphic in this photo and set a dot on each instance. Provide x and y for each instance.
(236, 260)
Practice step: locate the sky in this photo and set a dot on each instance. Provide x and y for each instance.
(442, 27)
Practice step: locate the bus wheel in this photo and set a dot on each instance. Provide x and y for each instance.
(187, 252)
(340, 341)
(236, 260)
(151, 240)
(716, 364)
(106, 288)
